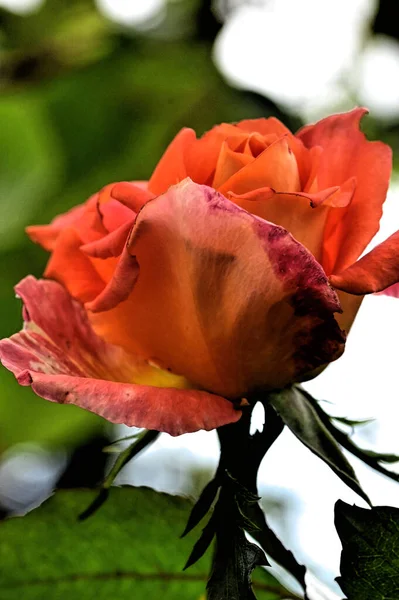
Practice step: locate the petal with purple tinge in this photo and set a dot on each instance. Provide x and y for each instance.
(229, 300)
(374, 272)
(64, 361)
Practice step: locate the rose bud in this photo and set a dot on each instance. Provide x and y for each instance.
(177, 299)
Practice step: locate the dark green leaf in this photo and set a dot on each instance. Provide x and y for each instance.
(370, 458)
(203, 542)
(274, 547)
(352, 422)
(300, 415)
(203, 505)
(370, 551)
(146, 438)
(129, 549)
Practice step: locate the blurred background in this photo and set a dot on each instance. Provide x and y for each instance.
(92, 92)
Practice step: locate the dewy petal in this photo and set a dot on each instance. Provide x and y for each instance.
(275, 167)
(347, 153)
(63, 360)
(172, 167)
(230, 301)
(374, 272)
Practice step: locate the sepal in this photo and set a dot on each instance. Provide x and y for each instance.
(303, 417)
(369, 457)
(146, 438)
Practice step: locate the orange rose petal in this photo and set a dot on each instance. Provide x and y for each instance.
(276, 167)
(336, 197)
(228, 300)
(256, 144)
(374, 272)
(119, 286)
(315, 200)
(77, 217)
(347, 153)
(63, 360)
(114, 214)
(131, 194)
(111, 244)
(272, 127)
(172, 167)
(228, 164)
(264, 126)
(313, 157)
(303, 215)
(71, 267)
(202, 156)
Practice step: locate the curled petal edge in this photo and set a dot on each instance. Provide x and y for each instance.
(60, 356)
(168, 410)
(374, 272)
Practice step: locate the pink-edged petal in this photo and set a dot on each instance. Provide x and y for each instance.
(173, 411)
(172, 166)
(64, 361)
(230, 301)
(374, 272)
(392, 290)
(347, 153)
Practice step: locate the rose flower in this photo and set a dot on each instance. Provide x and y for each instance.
(168, 303)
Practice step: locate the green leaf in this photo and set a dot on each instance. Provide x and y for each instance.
(203, 505)
(352, 422)
(299, 414)
(369, 457)
(370, 551)
(144, 439)
(271, 544)
(129, 549)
